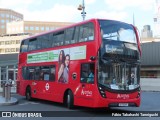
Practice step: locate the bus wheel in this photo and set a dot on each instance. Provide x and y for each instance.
(70, 100)
(28, 93)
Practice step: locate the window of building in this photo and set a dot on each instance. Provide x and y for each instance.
(14, 17)
(47, 28)
(12, 42)
(2, 26)
(7, 42)
(12, 49)
(42, 28)
(2, 21)
(7, 50)
(2, 42)
(17, 49)
(7, 21)
(31, 28)
(52, 28)
(7, 15)
(2, 15)
(26, 28)
(37, 28)
(17, 41)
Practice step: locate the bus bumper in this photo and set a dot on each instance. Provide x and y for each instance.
(105, 102)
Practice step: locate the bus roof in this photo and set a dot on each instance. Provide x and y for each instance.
(69, 26)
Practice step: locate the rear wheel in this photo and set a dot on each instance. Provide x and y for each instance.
(28, 94)
(70, 100)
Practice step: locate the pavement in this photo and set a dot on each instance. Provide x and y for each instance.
(150, 84)
(4, 101)
(150, 88)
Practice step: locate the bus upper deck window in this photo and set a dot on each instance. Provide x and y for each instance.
(24, 46)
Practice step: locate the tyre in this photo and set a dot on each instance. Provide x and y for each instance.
(70, 100)
(28, 94)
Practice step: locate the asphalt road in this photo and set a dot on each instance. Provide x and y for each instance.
(150, 102)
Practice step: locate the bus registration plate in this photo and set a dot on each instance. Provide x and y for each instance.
(123, 104)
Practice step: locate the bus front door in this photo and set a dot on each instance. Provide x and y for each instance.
(86, 88)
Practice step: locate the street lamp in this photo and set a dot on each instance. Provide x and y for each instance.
(82, 7)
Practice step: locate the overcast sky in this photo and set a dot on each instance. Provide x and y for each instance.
(66, 10)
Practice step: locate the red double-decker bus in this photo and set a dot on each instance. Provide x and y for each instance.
(94, 63)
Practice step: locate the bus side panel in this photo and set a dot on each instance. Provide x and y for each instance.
(86, 96)
(20, 81)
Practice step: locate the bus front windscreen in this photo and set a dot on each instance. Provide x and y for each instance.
(117, 31)
(119, 75)
(119, 58)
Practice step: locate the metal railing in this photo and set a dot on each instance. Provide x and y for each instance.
(13, 87)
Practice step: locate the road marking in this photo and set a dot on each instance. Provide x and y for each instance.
(26, 103)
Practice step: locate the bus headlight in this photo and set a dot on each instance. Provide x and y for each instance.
(102, 92)
(139, 92)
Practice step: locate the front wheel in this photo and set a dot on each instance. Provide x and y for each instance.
(28, 94)
(70, 100)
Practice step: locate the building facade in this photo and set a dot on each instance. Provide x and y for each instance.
(10, 43)
(146, 32)
(150, 60)
(8, 69)
(6, 16)
(33, 27)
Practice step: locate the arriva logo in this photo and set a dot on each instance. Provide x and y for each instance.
(123, 96)
(86, 92)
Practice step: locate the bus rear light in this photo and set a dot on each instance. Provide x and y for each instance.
(102, 92)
